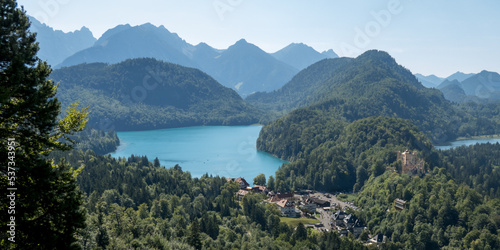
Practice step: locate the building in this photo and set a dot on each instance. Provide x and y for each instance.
(320, 202)
(308, 205)
(338, 218)
(345, 223)
(243, 183)
(399, 204)
(287, 208)
(411, 164)
(358, 228)
(241, 193)
(260, 189)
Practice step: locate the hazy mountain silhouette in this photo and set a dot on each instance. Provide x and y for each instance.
(481, 87)
(459, 76)
(300, 56)
(243, 66)
(56, 45)
(430, 81)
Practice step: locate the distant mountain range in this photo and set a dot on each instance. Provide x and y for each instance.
(433, 81)
(243, 67)
(56, 45)
(482, 87)
(143, 94)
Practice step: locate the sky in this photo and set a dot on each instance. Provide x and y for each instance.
(427, 37)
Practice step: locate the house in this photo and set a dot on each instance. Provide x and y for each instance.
(274, 199)
(287, 208)
(358, 228)
(243, 183)
(350, 220)
(241, 193)
(379, 239)
(399, 204)
(260, 189)
(338, 218)
(309, 205)
(345, 223)
(320, 202)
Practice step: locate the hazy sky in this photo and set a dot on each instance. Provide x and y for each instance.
(428, 37)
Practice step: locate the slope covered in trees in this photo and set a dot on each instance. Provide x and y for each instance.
(143, 94)
(372, 85)
(439, 212)
(135, 203)
(338, 156)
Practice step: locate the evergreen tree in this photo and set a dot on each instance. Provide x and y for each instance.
(194, 235)
(45, 203)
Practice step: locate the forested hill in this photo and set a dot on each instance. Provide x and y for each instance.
(372, 84)
(143, 94)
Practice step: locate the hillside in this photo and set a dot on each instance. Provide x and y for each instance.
(371, 85)
(56, 45)
(144, 94)
(357, 119)
(297, 92)
(300, 56)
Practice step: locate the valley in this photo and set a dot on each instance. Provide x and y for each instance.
(140, 139)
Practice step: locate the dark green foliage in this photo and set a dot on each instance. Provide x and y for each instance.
(47, 206)
(96, 140)
(439, 213)
(194, 235)
(354, 152)
(201, 212)
(144, 94)
(477, 166)
(259, 179)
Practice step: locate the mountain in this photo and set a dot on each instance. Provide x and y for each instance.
(447, 83)
(360, 113)
(329, 53)
(126, 42)
(247, 68)
(372, 84)
(481, 87)
(459, 76)
(484, 85)
(430, 81)
(56, 45)
(141, 94)
(300, 56)
(243, 66)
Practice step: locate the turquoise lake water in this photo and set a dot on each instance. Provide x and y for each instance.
(224, 151)
(455, 144)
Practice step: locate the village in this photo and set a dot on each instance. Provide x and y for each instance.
(331, 212)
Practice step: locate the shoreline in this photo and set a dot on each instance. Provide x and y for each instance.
(494, 136)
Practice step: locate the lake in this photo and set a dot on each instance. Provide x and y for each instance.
(459, 143)
(219, 150)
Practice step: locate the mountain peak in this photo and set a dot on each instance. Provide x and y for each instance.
(330, 53)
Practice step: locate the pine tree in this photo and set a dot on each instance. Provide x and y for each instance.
(45, 203)
(194, 235)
